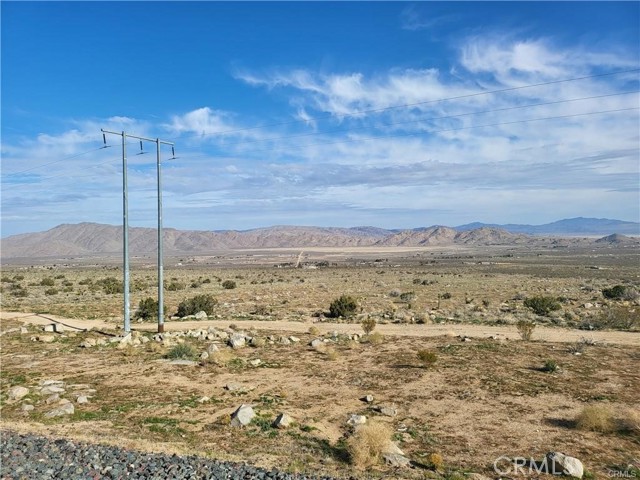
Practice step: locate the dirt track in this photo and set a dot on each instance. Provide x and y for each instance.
(547, 334)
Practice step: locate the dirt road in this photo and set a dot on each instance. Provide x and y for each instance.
(547, 334)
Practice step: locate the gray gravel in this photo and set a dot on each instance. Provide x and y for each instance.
(32, 457)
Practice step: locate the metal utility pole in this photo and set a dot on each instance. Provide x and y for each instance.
(125, 224)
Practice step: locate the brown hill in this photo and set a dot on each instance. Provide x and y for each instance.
(86, 239)
(431, 236)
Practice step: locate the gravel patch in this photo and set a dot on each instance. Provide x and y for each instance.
(33, 457)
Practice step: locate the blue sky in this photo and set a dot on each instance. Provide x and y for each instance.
(391, 114)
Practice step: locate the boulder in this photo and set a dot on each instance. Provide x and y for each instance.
(560, 463)
(282, 421)
(51, 389)
(65, 409)
(357, 420)
(201, 315)
(367, 398)
(237, 340)
(242, 416)
(18, 392)
(387, 411)
(396, 460)
(315, 343)
(212, 348)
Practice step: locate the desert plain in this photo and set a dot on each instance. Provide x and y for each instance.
(450, 373)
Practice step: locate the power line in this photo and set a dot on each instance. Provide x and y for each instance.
(54, 162)
(378, 137)
(504, 109)
(406, 105)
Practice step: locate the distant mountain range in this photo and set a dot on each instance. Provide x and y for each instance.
(89, 239)
(570, 226)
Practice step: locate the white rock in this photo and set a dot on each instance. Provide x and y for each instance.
(315, 343)
(204, 355)
(237, 340)
(27, 407)
(560, 463)
(284, 341)
(183, 363)
(293, 339)
(242, 416)
(65, 409)
(282, 421)
(396, 460)
(46, 338)
(201, 315)
(357, 420)
(24, 330)
(82, 399)
(49, 328)
(18, 392)
(212, 348)
(387, 411)
(51, 389)
(88, 343)
(52, 399)
(256, 362)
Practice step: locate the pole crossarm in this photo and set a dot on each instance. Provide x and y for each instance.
(125, 208)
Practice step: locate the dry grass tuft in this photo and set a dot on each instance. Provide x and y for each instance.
(596, 418)
(630, 421)
(313, 330)
(374, 338)
(368, 444)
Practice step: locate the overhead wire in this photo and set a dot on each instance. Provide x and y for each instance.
(406, 105)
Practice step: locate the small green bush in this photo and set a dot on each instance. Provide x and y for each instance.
(47, 282)
(229, 284)
(182, 351)
(542, 305)
(525, 329)
(191, 306)
(147, 308)
(368, 325)
(616, 292)
(550, 366)
(407, 296)
(344, 306)
(174, 286)
(110, 285)
(427, 357)
(51, 291)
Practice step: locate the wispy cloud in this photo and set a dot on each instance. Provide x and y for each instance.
(452, 153)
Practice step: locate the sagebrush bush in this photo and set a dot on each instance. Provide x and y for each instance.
(344, 306)
(147, 308)
(229, 284)
(182, 351)
(110, 285)
(427, 357)
(368, 325)
(525, 329)
(542, 305)
(616, 318)
(368, 444)
(47, 282)
(617, 292)
(550, 366)
(596, 418)
(193, 305)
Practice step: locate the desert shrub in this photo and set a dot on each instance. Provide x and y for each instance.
(313, 330)
(374, 338)
(615, 293)
(6, 279)
(51, 291)
(525, 329)
(85, 281)
(67, 283)
(446, 296)
(407, 296)
(630, 421)
(368, 444)
(394, 293)
(174, 286)
(229, 284)
(368, 325)
(427, 358)
(47, 282)
(260, 310)
(18, 278)
(193, 305)
(596, 418)
(542, 305)
(344, 306)
(147, 308)
(110, 285)
(616, 318)
(435, 461)
(18, 290)
(182, 351)
(550, 366)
